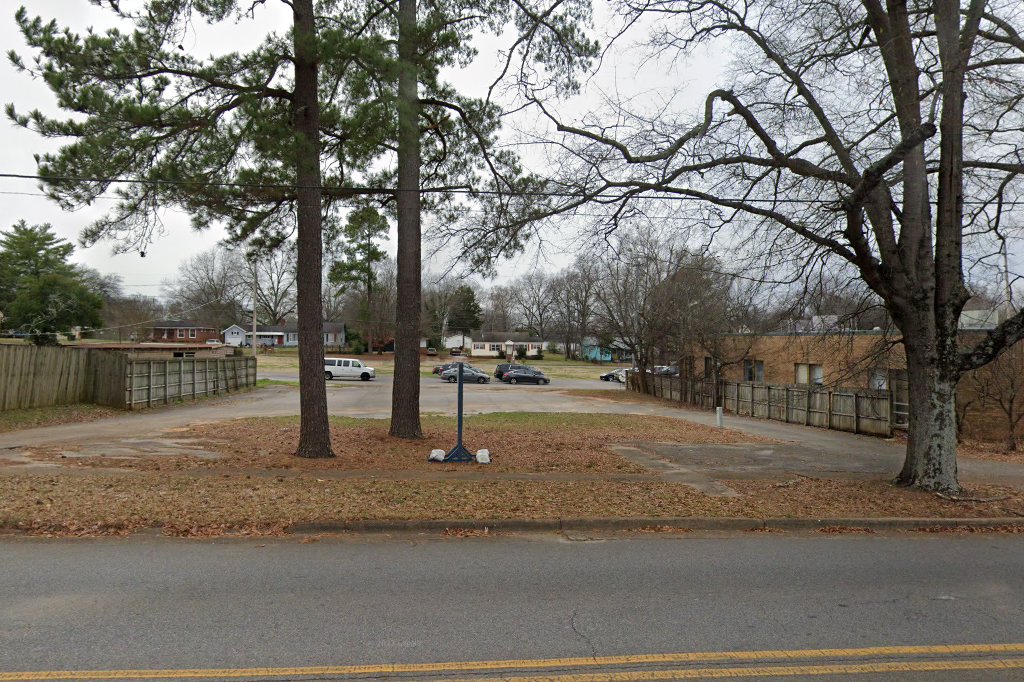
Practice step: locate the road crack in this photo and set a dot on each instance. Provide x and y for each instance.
(590, 643)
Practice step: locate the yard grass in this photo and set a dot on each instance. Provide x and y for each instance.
(30, 418)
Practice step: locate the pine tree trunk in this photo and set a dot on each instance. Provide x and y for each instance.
(930, 462)
(314, 430)
(405, 394)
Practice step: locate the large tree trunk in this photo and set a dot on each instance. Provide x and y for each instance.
(931, 444)
(405, 394)
(314, 430)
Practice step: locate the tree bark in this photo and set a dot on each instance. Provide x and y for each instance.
(930, 462)
(314, 429)
(405, 395)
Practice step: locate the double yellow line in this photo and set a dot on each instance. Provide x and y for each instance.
(965, 657)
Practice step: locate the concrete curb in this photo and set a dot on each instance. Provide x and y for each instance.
(680, 523)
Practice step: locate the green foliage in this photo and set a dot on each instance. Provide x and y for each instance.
(40, 292)
(215, 135)
(520, 351)
(359, 251)
(464, 312)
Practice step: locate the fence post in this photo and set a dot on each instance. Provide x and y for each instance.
(828, 408)
(856, 412)
(787, 404)
(890, 413)
(769, 409)
(194, 368)
(149, 392)
(181, 380)
(130, 377)
(167, 382)
(807, 406)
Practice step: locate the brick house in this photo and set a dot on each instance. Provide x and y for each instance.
(870, 359)
(181, 331)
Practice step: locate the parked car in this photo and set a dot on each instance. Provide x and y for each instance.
(618, 375)
(666, 370)
(526, 375)
(347, 368)
(431, 351)
(469, 375)
(499, 371)
(445, 366)
(456, 353)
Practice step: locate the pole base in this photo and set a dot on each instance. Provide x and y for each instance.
(459, 454)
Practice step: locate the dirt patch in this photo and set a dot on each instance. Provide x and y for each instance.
(518, 442)
(188, 505)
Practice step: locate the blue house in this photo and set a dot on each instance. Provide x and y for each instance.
(616, 351)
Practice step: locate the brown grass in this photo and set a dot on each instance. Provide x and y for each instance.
(187, 505)
(30, 418)
(518, 442)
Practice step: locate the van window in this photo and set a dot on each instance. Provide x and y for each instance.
(330, 363)
(356, 363)
(346, 363)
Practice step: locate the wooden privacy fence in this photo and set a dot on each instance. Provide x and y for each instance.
(840, 409)
(161, 382)
(33, 376)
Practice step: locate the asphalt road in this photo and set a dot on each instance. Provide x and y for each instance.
(148, 603)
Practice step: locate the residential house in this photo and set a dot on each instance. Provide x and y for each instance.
(233, 335)
(616, 351)
(181, 331)
(285, 335)
(491, 344)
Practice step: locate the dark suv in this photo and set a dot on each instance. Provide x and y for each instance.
(500, 370)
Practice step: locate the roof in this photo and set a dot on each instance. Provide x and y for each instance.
(293, 328)
(179, 324)
(502, 337)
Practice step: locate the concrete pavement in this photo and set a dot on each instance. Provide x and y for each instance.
(802, 449)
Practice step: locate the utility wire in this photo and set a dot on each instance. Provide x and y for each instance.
(371, 191)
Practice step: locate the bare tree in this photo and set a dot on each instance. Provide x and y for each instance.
(535, 302)
(499, 310)
(635, 304)
(275, 277)
(208, 288)
(574, 291)
(1000, 385)
(438, 296)
(849, 131)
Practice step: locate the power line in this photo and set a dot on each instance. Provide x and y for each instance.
(378, 191)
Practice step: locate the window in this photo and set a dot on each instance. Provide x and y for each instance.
(809, 374)
(191, 333)
(495, 347)
(479, 346)
(879, 380)
(181, 333)
(330, 363)
(346, 363)
(753, 371)
(356, 363)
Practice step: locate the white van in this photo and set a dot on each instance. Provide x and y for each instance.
(345, 368)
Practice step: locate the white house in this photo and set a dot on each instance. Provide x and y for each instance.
(490, 344)
(233, 335)
(282, 335)
(457, 341)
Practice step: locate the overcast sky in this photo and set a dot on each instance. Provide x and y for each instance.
(23, 199)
